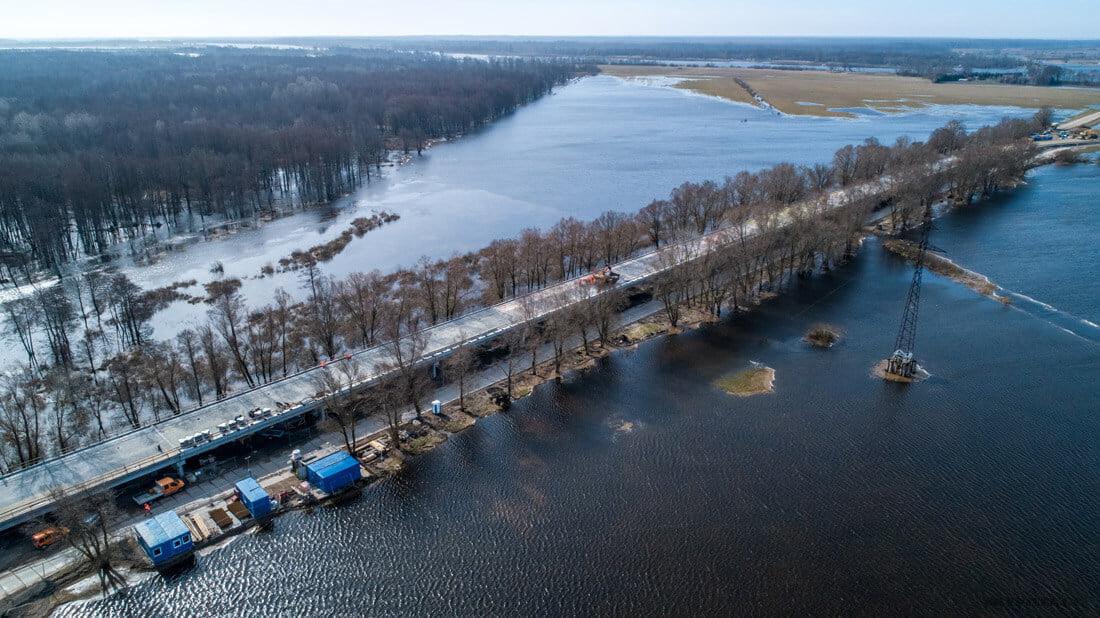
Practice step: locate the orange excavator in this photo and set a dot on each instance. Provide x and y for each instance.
(600, 278)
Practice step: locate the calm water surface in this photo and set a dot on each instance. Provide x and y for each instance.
(595, 145)
(974, 491)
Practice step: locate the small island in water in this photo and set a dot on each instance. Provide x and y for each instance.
(756, 380)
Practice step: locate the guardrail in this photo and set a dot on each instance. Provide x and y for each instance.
(297, 375)
(169, 456)
(694, 248)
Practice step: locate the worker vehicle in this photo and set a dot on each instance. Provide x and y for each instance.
(164, 487)
(601, 278)
(48, 537)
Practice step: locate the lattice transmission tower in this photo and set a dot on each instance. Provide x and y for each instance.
(903, 364)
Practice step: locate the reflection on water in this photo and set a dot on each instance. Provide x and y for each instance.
(598, 144)
(837, 494)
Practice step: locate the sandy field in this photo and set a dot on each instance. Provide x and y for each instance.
(790, 91)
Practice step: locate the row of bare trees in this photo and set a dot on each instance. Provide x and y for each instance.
(782, 222)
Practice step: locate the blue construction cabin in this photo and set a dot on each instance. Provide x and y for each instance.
(165, 539)
(333, 472)
(254, 498)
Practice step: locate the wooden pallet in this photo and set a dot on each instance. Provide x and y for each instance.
(221, 517)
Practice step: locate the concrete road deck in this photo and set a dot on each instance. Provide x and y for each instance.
(25, 494)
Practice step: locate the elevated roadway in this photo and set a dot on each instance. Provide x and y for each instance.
(25, 494)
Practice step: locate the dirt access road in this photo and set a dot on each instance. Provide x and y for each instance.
(1087, 120)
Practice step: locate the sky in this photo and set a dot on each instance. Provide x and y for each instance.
(1060, 19)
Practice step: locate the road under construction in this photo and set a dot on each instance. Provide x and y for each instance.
(26, 494)
(171, 443)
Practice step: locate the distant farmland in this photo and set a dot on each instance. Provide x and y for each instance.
(787, 91)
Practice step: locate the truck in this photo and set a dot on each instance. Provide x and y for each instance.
(49, 536)
(600, 278)
(164, 487)
(1042, 138)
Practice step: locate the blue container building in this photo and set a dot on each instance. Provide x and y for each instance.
(333, 472)
(254, 498)
(165, 539)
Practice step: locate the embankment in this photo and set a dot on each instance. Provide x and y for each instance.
(946, 268)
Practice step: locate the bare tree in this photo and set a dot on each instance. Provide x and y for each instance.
(581, 320)
(227, 316)
(386, 398)
(23, 318)
(90, 517)
(163, 369)
(457, 367)
(68, 415)
(499, 270)
(513, 341)
(363, 298)
(130, 310)
(264, 336)
(559, 326)
(189, 344)
(407, 342)
(20, 416)
(215, 363)
(457, 283)
(672, 286)
(948, 138)
(531, 332)
(94, 403)
(427, 279)
(282, 318)
(337, 383)
(126, 386)
(605, 314)
(844, 165)
(819, 175)
(57, 317)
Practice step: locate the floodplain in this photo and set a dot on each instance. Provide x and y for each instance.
(838, 93)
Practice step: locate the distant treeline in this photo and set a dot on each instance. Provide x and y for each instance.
(840, 52)
(934, 59)
(99, 147)
(103, 369)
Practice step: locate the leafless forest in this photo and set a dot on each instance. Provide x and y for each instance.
(99, 148)
(115, 375)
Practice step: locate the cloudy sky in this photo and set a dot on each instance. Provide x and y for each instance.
(25, 19)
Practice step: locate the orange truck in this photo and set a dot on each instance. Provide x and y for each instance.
(49, 536)
(164, 487)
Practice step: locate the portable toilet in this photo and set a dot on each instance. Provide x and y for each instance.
(164, 538)
(333, 472)
(253, 497)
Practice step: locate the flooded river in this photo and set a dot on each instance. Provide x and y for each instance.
(598, 144)
(974, 492)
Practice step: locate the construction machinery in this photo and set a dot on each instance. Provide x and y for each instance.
(600, 278)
